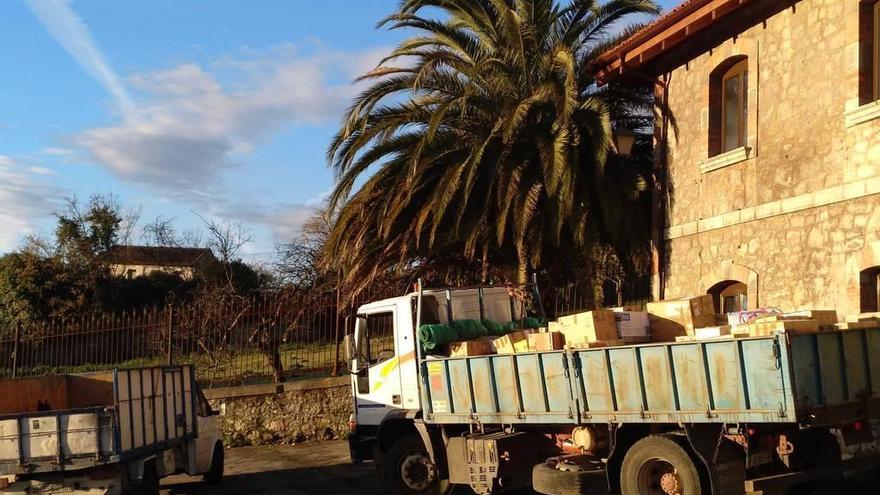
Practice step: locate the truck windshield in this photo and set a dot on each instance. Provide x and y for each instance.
(380, 337)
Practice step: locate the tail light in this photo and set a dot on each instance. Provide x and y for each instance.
(352, 423)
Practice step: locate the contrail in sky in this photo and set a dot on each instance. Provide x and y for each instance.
(73, 35)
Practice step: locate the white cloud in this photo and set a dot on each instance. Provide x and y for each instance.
(25, 200)
(73, 35)
(40, 170)
(195, 124)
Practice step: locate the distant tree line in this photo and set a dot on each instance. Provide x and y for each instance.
(69, 273)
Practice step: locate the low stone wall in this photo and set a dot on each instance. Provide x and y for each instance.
(298, 411)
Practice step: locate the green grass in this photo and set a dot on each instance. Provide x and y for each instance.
(227, 369)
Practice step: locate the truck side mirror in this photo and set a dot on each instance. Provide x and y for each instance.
(350, 350)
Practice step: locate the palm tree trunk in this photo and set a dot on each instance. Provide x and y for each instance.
(522, 276)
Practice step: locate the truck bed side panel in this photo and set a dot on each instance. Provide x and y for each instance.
(520, 388)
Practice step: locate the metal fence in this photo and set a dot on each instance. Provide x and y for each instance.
(273, 336)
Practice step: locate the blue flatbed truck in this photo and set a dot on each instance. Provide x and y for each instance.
(722, 416)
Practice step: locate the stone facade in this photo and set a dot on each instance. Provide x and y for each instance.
(305, 410)
(795, 215)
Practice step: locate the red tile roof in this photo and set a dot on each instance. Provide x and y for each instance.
(665, 32)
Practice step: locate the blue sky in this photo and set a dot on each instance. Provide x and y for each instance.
(222, 108)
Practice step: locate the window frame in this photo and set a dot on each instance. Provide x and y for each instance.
(369, 336)
(875, 60)
(741, 70)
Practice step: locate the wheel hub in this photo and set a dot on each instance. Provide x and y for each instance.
(670, 484)
(418, 472)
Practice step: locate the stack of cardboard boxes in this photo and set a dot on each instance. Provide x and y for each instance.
(676, 320)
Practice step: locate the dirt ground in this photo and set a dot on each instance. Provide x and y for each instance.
(324, 468)
(320, 468)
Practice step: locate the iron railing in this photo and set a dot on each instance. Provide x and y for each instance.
(272, 336)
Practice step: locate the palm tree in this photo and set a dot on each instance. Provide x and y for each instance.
(486, 135)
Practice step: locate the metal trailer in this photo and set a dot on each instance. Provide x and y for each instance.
(719, 416)
(111, 432)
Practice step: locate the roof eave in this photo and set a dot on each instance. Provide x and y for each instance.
(665, 33)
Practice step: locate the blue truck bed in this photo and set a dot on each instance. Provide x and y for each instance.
(817, 378)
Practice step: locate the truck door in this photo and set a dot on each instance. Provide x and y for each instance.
(378, 388)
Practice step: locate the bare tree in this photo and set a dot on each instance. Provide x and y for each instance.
(160, 232)
(299, 262)
(226, 238)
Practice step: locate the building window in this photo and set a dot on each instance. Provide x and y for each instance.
(869, 290)
(869, 51)
(730, 296)
(729, 106)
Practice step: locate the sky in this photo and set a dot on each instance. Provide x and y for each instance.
(183, 109)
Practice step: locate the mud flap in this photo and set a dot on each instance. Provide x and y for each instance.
(724, 462)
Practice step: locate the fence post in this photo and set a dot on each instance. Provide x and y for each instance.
(170, 359)
(336, 362)
(15, 349)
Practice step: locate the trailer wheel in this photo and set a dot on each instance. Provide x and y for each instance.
(550, 481)
(149, 484)
(215, 473)
(658, 465)
(408, 470)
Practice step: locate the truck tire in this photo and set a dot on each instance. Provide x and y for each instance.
(407, 470)
(215, 473)
(550, 481)
(658, 465)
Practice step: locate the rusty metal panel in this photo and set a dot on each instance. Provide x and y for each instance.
(506, 381)
(556, 379)
(872, 356)
(658, 380)
(690, 376)
(725, 375)
(626, 379)
(482, 381)
(855, 364)
(805, 370)
(596, 382)
(831, 368)
(531, 383)
(460, 383)
(764, 384)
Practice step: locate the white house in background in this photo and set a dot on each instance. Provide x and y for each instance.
(139, 261)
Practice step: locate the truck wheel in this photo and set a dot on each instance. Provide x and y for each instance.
(408, 470)
(658, 465)
(550, 481)
(150, 481)
(215, 473)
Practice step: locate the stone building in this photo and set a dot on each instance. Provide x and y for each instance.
(767, 145)
(140, 261)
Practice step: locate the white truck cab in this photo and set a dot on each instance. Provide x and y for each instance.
(383, 356)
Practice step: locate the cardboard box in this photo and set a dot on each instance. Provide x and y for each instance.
(512, 343)
(679, 317)
(825, 318)
(591, 326)
(712, 332)
(762, 328)
(633, 325)
(480, 347)
(546, 341)
(589, 345)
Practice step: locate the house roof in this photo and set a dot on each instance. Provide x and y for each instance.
(668, 31)
(158, 255)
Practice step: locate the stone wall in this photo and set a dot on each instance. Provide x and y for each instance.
(299, 411)
(804, 146)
